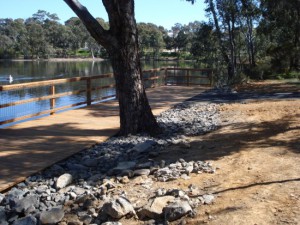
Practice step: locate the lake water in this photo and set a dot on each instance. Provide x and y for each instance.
(29, 71)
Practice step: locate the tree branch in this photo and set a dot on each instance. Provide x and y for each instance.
(102, 36)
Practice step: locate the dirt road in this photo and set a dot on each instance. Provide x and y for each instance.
(257, 153)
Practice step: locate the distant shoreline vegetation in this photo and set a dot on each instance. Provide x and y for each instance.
(256, 50)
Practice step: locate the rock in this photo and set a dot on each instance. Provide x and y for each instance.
(90, 162)
(144, 146)
(52, 216)
(176, 193)
(160, 192)
(111, 223)
(176, 210)
(124, 180)
(207, 199)
(118, 208)
(154, 208)
(2, 215)
(64, 180)
(2, 196)
(79, 191)
(122, 166)
(72, 219)
(141, 172)
(13, 195)
(86, 219)
(24, 204)
(28, 220)
(76, 166)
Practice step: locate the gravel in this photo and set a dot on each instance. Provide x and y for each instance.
(82, 183)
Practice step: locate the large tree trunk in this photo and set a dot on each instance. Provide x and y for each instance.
(121, 41)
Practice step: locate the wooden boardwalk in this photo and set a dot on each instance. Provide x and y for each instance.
(29, 147)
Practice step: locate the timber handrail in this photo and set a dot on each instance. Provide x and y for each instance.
(154, 76)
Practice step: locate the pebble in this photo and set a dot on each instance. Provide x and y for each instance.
(52, 216)
(28, 220)
(64, 180)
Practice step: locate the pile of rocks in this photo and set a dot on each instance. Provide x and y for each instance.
(87, 187)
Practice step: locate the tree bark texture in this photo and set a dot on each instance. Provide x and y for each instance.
(121, 41)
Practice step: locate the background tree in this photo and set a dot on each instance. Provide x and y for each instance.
(204, 45)
(281, 27)
(150, 39)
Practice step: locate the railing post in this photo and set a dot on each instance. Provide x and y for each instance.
(165, 75)
(88, 91)
(52, 100)
(187, 77)
(211, 75)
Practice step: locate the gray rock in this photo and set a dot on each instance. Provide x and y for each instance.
(141, 172)
(154, 208)
(2, 196)
(145, 165)
(3, 218)
(52, 216)
(90, 162)
(111, 223)
(118, 208)
(28, 220)
(176, 210)
(13, 195)
(207, 199)
(144, 146)
(86, 219)
(64, 180)
(79, 191)
(76, 166)
(24, 204)
(122, 166)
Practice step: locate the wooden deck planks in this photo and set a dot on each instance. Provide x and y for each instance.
(29, 147)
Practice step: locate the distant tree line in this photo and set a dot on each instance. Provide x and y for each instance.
(243, 38)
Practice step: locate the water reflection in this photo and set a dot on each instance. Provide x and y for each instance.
(29, 71)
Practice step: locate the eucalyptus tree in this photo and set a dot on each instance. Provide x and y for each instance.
(14, 36)
(6, 46)
(248, 18)
(181, 41)
(204, 45)
(36, 39)
(121, 42)
(281, 26)
(150, 37)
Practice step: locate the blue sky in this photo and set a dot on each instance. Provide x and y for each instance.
(160, 12)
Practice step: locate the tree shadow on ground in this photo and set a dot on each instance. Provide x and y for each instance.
(25, 151)
(241, 136)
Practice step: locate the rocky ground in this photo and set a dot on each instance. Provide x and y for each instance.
(216, 163)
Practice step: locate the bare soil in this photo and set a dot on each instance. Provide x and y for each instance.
(257, 154)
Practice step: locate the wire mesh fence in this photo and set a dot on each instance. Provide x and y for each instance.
(26, 100)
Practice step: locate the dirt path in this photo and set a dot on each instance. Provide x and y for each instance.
(257, 153)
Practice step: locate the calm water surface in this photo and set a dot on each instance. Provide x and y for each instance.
(29, 71)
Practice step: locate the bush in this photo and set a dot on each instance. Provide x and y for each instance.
(287, 75)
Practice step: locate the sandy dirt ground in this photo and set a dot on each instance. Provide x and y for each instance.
(256, 151)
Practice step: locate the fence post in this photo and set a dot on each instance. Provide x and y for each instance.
(88, 91)
(165, 75)
(187, 77)
(52, 100)
(211, 75)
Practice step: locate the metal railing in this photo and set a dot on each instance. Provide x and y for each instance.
(88, 90)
